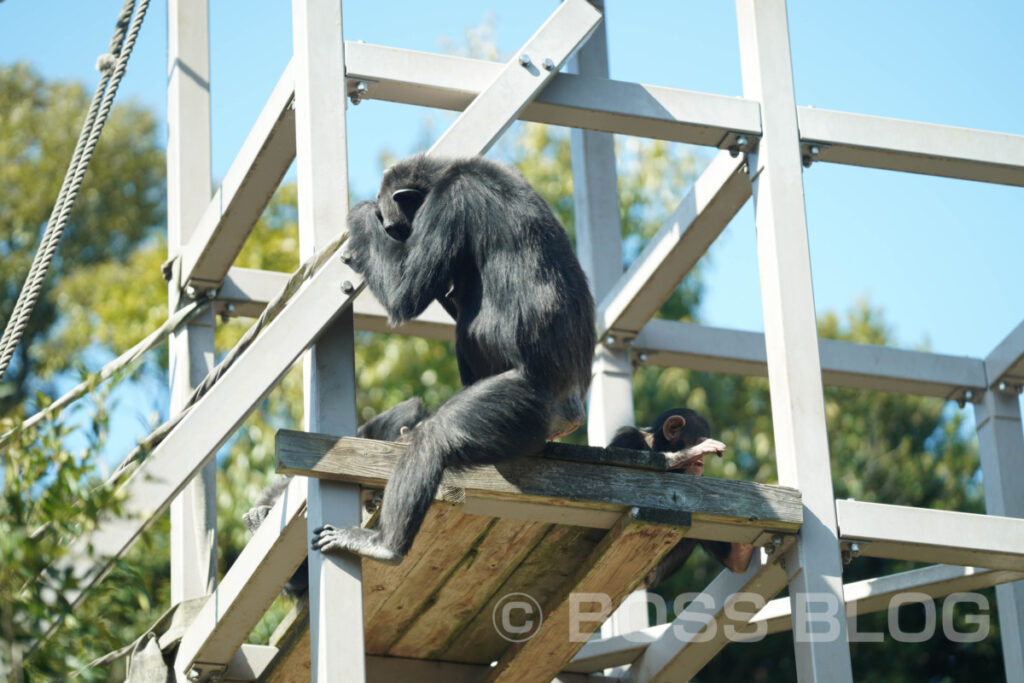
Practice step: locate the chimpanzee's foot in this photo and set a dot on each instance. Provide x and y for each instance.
(254, 517)
(364, 542)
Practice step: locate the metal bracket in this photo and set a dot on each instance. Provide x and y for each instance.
(738, 142)
(618, 339)
(851, 549)
(202, 672)
(1011, 386)
(963, 396)
(811, 152)
(358, 89)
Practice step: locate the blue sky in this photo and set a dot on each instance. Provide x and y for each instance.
(940, 256)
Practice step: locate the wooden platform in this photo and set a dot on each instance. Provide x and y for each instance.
(575, 520)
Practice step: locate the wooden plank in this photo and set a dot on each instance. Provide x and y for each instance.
(615, 567)
(466, 590)
(383, 580)
(556, 483)
(409, 598)
(549, 565)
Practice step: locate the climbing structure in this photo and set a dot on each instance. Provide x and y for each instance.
(572, 521)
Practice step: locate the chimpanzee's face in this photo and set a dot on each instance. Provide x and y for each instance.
(399, 198)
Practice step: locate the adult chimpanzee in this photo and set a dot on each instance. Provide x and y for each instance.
(473, 234)
(684, 436)
(393, 424)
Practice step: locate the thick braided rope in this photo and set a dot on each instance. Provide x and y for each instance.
(126, 359)
(273, 308)
(112, 66)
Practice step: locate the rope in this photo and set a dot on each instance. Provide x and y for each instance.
(111, 65)
(127, 358)
(274, 307)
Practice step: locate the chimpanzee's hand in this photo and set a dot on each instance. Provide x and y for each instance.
(694, 455)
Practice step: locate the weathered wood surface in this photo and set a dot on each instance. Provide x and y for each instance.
(623, 514)
(613, 569)
(555, 482)
(551, 563)
(404, 592)
(482, 570)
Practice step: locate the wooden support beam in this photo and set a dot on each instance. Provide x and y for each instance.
(555, 484)
(616, 566)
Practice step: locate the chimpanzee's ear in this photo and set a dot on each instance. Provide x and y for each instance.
(673, 428)
(408, 199)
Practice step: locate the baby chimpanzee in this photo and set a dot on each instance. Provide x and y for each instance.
(685, 439)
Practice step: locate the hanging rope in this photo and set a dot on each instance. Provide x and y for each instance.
(112, 66)
(154, 339)
(274, 307)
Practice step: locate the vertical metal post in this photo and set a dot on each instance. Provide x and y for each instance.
(794, 369)
(335, 587)
(194, 512)
(1001, 442)
(599, 246)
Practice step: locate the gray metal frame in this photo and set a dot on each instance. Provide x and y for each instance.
(768, 134)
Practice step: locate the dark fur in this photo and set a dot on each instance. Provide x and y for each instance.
(696, 430)
(473, 234)
(387, 426)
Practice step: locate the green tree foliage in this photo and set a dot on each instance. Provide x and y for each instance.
(120, 204)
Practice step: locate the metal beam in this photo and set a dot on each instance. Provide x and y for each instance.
(862, 597)
(844, 364)
(875, 595)
(576, 101)
(212, 420)
(922, 535)
(681, 651)
(791, 338)
(337, 643)
(1006, 362)
(675, 249)
(498, 106)
(250, 182)
(1001, 444)
(913, 147)
(194, 513)
(599, 247)
(248, 589)
(668, 343)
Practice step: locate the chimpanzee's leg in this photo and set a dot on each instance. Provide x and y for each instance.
(494, 419)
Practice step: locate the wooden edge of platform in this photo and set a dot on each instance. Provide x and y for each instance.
(557, 485)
